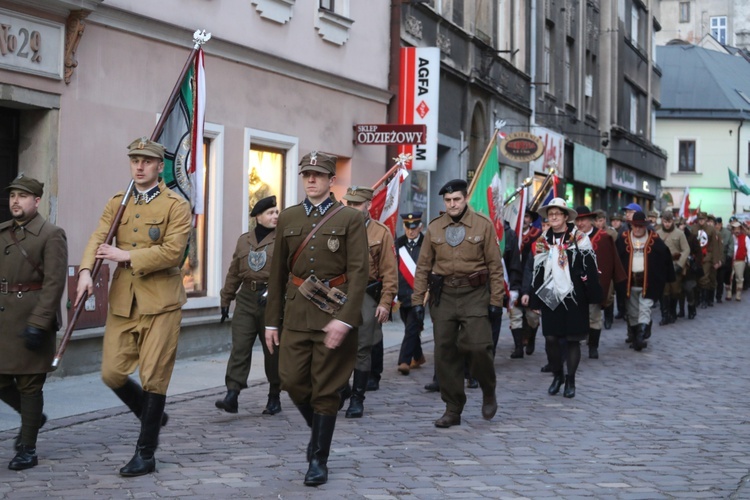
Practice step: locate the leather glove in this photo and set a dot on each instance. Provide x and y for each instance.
(419, 313)
(495, 312)
(224, 314)
(33, 338)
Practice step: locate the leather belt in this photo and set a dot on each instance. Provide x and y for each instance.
(125, 265)
(456, 281)
(637, 280)
(255, 285)
(6, 288)
(333, 282)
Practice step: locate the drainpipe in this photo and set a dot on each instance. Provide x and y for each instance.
(394, 74)
(532, 69)
(734, 204)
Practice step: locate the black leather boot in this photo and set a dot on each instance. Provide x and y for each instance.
(631, 334)
(673, 310)
(681, 303)
(664, 311)
(344, 394)
(702, 303)
(229, 403)
(518, 341)
(322, 434)
(307, 413)
(356, 403)
(570, 386)
(594, 336)
(709, 298)
(132, 395)
(10, 396)
(273, 406)
(639, 341)
(557, 382)
(609, 316)
(25, 458)
(143, 461)
(692, 312)
(531, 340)
(31, 420)
(647, 331)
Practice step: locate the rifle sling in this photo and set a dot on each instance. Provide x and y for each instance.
(25, 253)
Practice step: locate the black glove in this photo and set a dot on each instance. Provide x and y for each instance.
(224, 313)
(495, 312)
(678, 269)
(33, 338)
(419, 313)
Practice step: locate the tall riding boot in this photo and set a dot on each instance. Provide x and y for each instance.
(692, 312)
(710, 297)
(143, 462)
(701, 298)
(609, 316)
(132, 395)
(31, 420)
(322, 434)
(681, 302)
(664, 311)
(518, 342)
(307, 413)
(356, 403)
(673, 309)
(647, 331)
(229, 403)
(594, 336)
(631, 334)
(639, 341)
(345, 393)
(530, 334)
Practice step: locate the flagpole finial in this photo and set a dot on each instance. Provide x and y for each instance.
(500, 124)
(402, 159)
(200, 37)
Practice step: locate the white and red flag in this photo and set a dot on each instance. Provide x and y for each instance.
(685, 207)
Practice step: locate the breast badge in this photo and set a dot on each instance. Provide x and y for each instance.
(154, 233)
(333, 244)
(257, 260)
(454, 235)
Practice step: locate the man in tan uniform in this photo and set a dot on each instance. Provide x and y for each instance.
(317, 284)
(460, 259)
(381, 289)
(33, 270)
(146, 295)
(249, 269)
(680, 250)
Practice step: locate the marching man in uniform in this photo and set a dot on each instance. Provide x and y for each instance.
(33, 270)
(460, 263)
(146, 295)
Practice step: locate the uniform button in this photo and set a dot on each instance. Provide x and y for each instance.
(312, 260)
(137, 216)
(2, 308)
(312, 271)
(134, 244)
(7, 252)
(313, 236)
(312, 248)
(314, 225)
(133, 273)
(315, 214)
(135, 230)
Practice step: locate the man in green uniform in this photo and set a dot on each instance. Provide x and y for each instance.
(146, 295)
(678, 246)
(33, 270)
(461, 261)
(712, 254)
(250, 267)
(381, 289)
(317, 284)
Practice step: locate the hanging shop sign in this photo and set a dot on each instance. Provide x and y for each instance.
(390, 135)
(522, 146)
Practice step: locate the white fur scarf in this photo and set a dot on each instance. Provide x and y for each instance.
(553, 258)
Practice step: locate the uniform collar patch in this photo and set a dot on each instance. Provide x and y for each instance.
(322, 208)
(147, 197)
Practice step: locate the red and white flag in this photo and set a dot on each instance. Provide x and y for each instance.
(685, 207)
(384, 206)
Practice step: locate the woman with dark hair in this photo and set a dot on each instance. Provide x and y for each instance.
(565, 282)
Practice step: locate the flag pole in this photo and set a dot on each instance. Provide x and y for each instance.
(401, 161)
(526, 183)
(199, 38)
(487, 152)
(539, 196)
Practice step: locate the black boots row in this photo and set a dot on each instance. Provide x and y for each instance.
(230, 405)
(319, 448)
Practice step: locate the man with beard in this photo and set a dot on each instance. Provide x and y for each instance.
(680, 250)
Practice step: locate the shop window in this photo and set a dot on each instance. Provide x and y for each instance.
(265, 177)
(687, 156)
(194, 267)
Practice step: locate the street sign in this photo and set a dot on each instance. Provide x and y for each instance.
(390, 135)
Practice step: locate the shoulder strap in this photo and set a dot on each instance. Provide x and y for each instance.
(25, 253)
(296, 255)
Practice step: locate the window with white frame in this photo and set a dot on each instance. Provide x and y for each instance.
(548, 73)
(686, 156)
(684, 12)
(719, 28)
(333, 22)
(635, 18)
(633, 126)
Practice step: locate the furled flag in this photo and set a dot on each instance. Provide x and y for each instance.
(694, 216)
(515, 212)
(552, 193)
(736, 183)
(685, 206)
(486, 190)
(182, 137)
(384, 207)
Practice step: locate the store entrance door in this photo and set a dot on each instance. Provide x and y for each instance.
(9, 131)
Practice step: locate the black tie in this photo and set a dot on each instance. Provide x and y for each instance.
(412, 243)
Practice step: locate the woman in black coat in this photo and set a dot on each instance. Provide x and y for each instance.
(565, 282)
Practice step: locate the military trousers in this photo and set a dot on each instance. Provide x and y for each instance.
(26, 384)
(674, 288)
(517, 314)
(311, 373)
(147, 342)
(639, 307)
(248, 323)
(708, 280)
(462, 331)
(411, 346)
(369, 334)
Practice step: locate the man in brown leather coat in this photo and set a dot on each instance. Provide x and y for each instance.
(248, 273)
(146, 295)
(461, 251)
(318, 344)
(33, 270)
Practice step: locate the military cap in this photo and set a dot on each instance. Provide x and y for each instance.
(358, 194)
(453, 186)
(702, 215)
(600, 214)
(667, 214)
(318, 162)
(263, 205)
(616, 216)
(719, 220)
(711, 217)
(735, 224)
(412, 219)
(143, 146)
(639, 220)
(28, 184)
(653, 213)
(584, 211)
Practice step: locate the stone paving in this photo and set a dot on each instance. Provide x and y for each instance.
(669, 422)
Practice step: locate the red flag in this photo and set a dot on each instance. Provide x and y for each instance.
(384, 207)
(685, 207)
